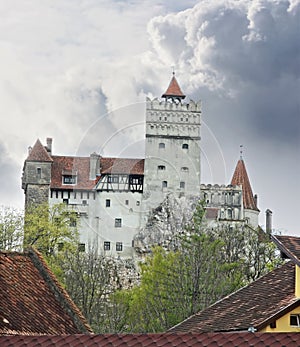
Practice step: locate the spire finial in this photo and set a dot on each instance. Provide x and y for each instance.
(241, 152)
(173, 70)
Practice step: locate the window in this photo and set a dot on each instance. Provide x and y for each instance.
(182, 185)
(161, 167)
(73, 222)
(161, 145)
(126, 202)
(229, 212)
(119, 246)
(66, 201)
(295, 320)
(164, 184)
(185, 146)
(81, 247)
(185, 169)
(69, 179)
(138, 203)
(113, 179)
(107, 202)
(118, 222)
(39, 172)
(84, 202)
(106, 245)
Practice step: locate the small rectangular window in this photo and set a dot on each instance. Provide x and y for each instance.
(138, 203)
(164, 184)
(69, 179)
(182, 185)
(107, 202)
(81, 247)
(118, 222)
(66, 201)
(39, 172)
(295, 320)
(126, 202)
(84, 202)
(119, 246)
(161, 167)
(106, 245)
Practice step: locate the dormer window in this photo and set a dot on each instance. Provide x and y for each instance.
(69, 179)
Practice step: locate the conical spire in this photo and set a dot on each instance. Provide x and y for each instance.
(173, 91)
(38, 153)
(240, 177)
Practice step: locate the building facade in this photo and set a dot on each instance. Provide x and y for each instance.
(114, 196)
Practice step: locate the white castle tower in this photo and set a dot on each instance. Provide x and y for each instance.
(172, 155)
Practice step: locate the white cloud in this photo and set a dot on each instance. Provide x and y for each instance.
(65, 63)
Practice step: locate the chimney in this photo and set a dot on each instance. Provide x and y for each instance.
(49, 144)
(268, 221)
(94, 165)
(255, 199)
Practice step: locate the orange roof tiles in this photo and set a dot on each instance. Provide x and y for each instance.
(32, 302)
(39, 153)
(173, 90)
(244, 339)
(240, 177)
(255, 305)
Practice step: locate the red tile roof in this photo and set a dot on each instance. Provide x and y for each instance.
(289, 245)
(122, 166)
(152, 340)
(173, 90)
(240, 177)
(255, 305)
(80, 166)
(39, 153)
(76, 165)
(32, 302)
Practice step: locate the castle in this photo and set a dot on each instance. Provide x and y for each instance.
(113, 196)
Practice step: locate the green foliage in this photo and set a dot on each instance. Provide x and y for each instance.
(11, 229)
(207, 264)
(50, 228)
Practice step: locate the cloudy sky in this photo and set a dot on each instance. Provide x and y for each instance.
(79, 71)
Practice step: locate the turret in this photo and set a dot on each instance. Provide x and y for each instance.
(36, 176)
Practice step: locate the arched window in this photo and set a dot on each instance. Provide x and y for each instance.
(161, 145)
(164, 184)
(161, 167)
(185, 146)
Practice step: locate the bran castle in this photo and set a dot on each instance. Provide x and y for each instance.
(113, 196)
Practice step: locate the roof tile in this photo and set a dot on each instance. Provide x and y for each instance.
(250, 306)
(237, 339)
(31, 299)
(240, 177)
(39, 153)
(173, 90)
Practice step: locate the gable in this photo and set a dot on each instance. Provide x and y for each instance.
(32, 301)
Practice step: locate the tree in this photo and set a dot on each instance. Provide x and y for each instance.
(11, 229)
(89, 279)
(50, 228)
(200, 266)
